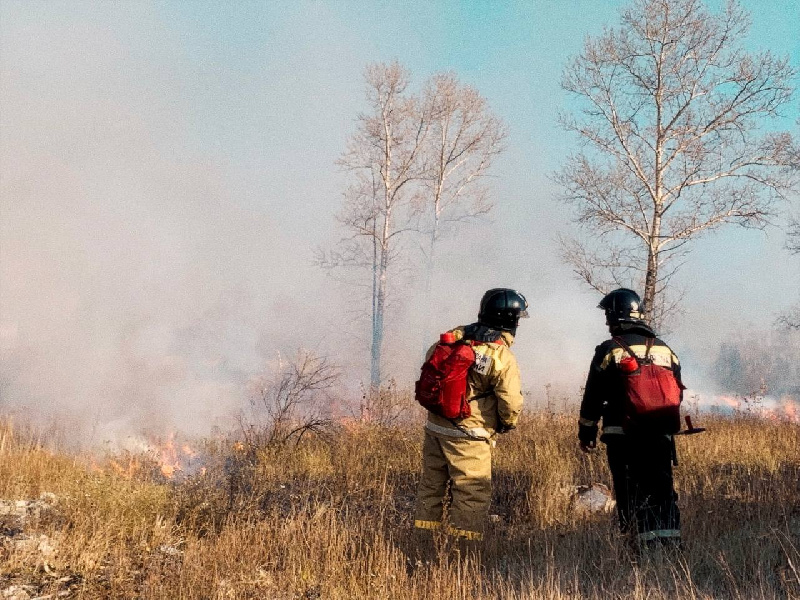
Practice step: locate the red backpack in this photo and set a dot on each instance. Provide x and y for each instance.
(653, 394)
(442, 385)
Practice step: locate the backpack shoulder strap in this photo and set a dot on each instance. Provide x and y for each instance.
(648, 347)
(624, 346)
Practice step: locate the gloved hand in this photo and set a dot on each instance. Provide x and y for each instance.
(505, 428)
(587, 435)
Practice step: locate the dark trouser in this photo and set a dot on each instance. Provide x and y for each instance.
(641, 468)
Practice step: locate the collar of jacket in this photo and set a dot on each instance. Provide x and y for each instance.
(508, 337)
(639, 328)
(481, 333)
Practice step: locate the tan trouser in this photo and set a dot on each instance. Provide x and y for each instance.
(467, 465)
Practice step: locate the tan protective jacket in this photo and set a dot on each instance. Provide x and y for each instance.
(495, 391)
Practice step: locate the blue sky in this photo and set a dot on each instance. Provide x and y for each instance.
(169, 167)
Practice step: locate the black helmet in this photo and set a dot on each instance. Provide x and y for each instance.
(502, 308)
(622, 306)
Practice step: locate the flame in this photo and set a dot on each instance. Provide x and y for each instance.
(783, 408)
(174, 457)
(786, 409)
(790, 410)
(126, 465)
(730, 401)
(167, 458)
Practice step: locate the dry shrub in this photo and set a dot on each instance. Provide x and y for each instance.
(288, 402)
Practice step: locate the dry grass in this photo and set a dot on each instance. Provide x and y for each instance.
(332, 519)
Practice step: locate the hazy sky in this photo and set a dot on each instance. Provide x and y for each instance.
(168, 168)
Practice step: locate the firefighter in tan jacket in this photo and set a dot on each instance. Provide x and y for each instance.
(460, 451)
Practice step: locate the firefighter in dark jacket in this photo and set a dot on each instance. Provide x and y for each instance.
(640, 460)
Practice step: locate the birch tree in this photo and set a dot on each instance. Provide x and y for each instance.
(383, 158)
(670, 114)
(465, 137)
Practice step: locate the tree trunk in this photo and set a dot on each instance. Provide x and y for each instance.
(375, 364)
(380, 302)
(427, 335)
(650, 284)
(377, 335)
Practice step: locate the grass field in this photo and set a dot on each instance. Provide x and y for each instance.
(331, 518)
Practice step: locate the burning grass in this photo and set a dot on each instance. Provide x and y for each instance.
(331, 518)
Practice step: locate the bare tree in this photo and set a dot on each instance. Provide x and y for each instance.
(465, 137)
(671, 107)
(380, 206)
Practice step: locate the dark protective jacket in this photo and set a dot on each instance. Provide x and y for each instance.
(604, 395)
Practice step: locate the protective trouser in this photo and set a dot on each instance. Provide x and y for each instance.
(641, 468)
(467, 465)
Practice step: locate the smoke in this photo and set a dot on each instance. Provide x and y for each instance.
(165, 175)
(135, 285)
(133, 310)
(754, 372)
(779, 408)
(757, 363)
